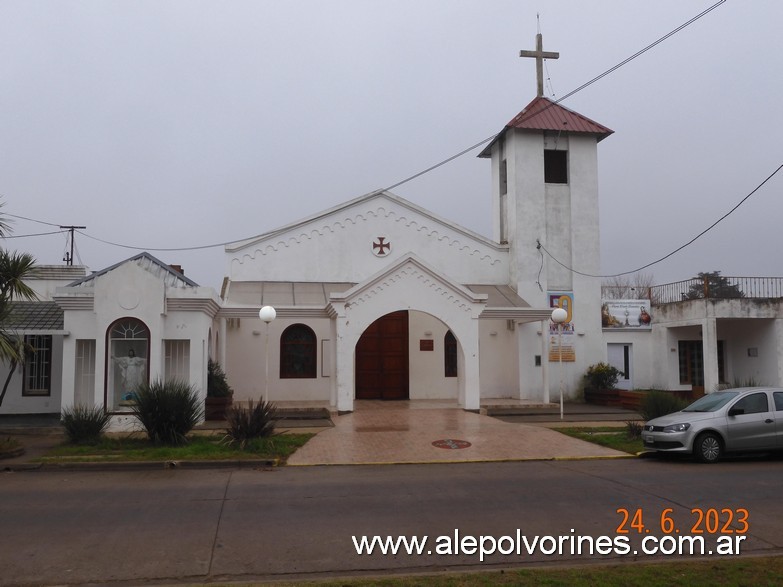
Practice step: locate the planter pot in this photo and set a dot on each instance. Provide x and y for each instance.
(603, 397)
(215, 407)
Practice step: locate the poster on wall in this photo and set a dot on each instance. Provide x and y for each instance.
(631, 314)
(561, 345)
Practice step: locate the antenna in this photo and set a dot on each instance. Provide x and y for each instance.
(69, 257)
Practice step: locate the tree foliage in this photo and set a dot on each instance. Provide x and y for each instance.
(15, 267)
(627, 287)
(712, 284)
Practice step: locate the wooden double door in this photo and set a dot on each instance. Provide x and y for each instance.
(382, 359)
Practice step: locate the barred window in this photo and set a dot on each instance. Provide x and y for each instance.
(298, 352)
(176, 360)
(38, 366)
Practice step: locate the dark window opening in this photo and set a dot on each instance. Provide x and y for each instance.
(450, 354)
(298, 353)
(555, 166)
(503, 177)
(691, 362)
(38, 366)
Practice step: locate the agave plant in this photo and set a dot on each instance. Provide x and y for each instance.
(248, 422)
(84, 424)
(167, 410)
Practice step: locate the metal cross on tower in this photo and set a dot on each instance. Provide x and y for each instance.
(539, 55)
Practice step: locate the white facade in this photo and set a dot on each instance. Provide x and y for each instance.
(174, 315)
(380, 298)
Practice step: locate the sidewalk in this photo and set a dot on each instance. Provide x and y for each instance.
(401, 432)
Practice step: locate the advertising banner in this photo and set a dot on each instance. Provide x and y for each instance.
(633, 314)
(562, 351)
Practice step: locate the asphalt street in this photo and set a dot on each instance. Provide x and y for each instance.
(233, 525)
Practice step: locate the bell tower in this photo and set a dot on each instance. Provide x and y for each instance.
(545, 190)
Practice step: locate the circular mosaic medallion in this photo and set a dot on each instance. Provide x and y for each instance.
(451, 443)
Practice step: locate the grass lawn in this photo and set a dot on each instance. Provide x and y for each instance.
(616, 438)
(756, 571)
(130, 448)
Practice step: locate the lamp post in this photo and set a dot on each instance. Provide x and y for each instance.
(267, 314)
(559, 315)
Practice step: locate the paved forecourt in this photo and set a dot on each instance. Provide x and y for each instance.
(435, 432)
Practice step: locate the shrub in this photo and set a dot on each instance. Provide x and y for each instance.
(601, 376)
(248, 422)
(634, 429)
(217, 384)
(167, 411)
(84, 424)
(659, 403)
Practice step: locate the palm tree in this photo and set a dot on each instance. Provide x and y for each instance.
(14, 269)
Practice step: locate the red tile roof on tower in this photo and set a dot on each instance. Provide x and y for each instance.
(544, 114)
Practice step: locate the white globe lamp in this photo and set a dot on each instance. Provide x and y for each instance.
(267, 314)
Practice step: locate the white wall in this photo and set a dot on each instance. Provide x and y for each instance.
(499, 369)
(740, 336)
(245, 363)
(426, 368)
(15, 403)
(338, 247)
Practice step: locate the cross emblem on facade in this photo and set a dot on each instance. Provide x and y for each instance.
(380, 248)
(539, 55)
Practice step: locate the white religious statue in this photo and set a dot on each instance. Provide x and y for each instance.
(133, 372)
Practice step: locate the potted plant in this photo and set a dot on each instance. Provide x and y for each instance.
(219, 393)
(600, 384)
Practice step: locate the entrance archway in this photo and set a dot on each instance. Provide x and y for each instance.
(382, 362)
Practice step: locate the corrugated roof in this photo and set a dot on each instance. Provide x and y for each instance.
(34, 316)
(500, 296)
(544, 114)
(283, 293)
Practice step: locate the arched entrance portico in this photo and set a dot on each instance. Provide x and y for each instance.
(408, 285)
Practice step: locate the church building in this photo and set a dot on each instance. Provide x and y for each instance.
(380, 299)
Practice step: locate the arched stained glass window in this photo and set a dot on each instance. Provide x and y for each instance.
(298, 352)
(127, 362)
(450, 354)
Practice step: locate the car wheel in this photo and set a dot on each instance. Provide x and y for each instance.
(708, 447)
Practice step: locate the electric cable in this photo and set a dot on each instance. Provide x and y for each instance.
(437, 165)
(31, 235)
(677, 250)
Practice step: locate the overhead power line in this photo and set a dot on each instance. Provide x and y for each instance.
(566, 96)
(678, 249)
(437, 165)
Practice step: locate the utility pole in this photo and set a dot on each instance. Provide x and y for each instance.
(69, 257)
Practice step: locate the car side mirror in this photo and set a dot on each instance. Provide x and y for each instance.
(736, 411)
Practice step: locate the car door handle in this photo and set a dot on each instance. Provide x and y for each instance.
(768, 421)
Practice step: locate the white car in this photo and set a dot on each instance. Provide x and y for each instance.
(733, 420)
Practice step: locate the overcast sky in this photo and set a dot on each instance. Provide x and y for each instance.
(162, 124)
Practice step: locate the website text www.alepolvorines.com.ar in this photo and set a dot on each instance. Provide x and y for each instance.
(571, 544)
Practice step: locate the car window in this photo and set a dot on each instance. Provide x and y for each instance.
(754, 403)
(778, 400)
(711, 402)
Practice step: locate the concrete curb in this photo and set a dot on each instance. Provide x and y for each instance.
(469, 461)
(140, 465)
